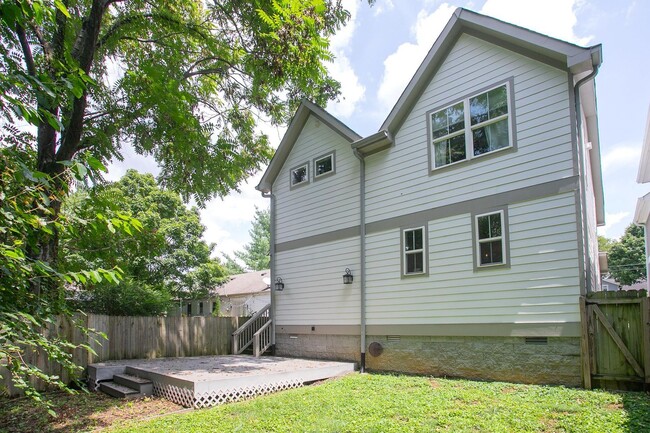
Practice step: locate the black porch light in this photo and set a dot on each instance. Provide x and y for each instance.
(279, 285)
(347, 277)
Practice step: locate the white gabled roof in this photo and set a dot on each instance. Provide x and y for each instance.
(298, 121)
(644, 166)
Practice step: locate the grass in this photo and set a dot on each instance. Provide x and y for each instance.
(386, 403)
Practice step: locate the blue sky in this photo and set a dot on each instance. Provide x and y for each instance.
(382, 46)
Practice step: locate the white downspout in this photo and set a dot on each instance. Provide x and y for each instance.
(362, 234)
(272, 264)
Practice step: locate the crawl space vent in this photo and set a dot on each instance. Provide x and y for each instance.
(538, 341)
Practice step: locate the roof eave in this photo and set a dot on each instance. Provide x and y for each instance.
(642, 211)
(643, 176)
(374, 143)
(294, 129)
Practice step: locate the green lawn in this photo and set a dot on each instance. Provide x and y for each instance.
(384, 403)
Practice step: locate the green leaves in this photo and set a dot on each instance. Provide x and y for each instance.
(626, 257)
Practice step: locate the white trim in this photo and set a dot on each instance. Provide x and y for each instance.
(422, 251)
(468, 128)
(332, 169)
(477, 246)
(302, 182)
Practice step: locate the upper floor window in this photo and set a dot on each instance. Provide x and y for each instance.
(324, 166)
(300, 175)
(414, 251)
(471, 127)
(490, 239)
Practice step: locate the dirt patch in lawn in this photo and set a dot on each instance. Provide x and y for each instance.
(77, 413)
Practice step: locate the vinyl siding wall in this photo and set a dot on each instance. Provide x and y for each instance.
(324, 205)
(542, 284)
(398, 181)
(314, 292)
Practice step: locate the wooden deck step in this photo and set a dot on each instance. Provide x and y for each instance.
(143, 386)
(119, 391)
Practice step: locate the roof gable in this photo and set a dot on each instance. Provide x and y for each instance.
(557, 53)
(298, 121)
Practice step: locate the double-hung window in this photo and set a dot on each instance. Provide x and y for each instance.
(471, 127)
(490, 238)
(414, 251)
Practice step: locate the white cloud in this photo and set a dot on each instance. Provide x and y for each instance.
(352, 91)
(382, 6)
(613, 219)
(556, 18)
(623, 155)
(401, 65)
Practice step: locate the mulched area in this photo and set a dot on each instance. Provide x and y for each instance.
(81, 412)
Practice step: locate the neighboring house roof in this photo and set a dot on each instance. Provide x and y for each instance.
(293, 131)
(641, 285)
(245, 284)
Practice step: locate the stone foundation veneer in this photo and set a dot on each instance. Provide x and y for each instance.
(508, 359)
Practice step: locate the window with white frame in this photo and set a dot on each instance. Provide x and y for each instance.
(300, 175)
(414, 247)
(474, 126)
(490, 239)
(324, 165)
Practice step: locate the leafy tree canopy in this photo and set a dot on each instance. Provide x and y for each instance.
(627, 257)
(256, 253)
(605, 244)
(182, 80)
(165, 258)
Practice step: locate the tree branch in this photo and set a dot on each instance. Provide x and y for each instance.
(27, 50)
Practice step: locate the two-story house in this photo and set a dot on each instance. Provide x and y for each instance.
(468, 221)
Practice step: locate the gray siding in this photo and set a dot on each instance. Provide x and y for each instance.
(324, 205)
(542, 284)
(314, 292)
(398, 180)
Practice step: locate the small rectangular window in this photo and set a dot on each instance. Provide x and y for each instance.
(414, 251)
(324, 165)
(300, 175)
(200, 308)
(490, 239)
(189, 308)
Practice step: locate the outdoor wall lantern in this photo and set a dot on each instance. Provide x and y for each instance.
(347, 277)
(279, 285)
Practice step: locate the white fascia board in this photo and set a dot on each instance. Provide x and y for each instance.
(293, 131)
(642, 211)
(643, 176)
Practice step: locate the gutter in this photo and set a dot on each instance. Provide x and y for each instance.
(271, 196)
(362, 235)
(583, 185)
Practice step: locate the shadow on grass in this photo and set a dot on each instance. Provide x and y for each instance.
(637, 406)
(78, 412)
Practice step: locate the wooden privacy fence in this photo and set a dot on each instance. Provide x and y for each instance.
(136, 338)
(616, 339)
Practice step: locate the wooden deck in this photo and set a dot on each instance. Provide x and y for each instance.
(204, 381)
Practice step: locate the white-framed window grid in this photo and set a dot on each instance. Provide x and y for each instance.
(490, 239)
(299, 175)
(414, 251)
(489, 116)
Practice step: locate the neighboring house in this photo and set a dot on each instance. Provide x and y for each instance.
(468, 221)
(241, 295)
(642, 213)
(245, 294)
(609, 285)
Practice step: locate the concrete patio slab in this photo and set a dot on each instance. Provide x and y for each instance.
(205, 381)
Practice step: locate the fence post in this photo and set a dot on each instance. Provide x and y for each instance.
(584, 344)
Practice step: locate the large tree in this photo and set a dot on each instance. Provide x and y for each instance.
(165, 258)
(256, 254)
(626, 257)
(181, 80)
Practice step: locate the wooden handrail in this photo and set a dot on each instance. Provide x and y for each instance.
(245, 334)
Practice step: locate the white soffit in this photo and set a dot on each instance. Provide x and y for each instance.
(644, 166)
